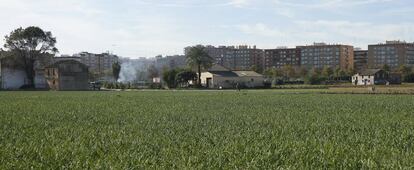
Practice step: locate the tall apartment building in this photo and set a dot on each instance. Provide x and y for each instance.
(66, 58)
(320, 55)
(245, 57)
(98, 63)
(392, 53)
(277, 58)
(220, 53)
(241, 57)
(360, 60)
(172, 62)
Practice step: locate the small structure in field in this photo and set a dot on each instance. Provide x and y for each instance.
(219, 77)
(375, 77)
(68, 75)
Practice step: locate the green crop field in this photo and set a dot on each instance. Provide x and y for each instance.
(205, 130)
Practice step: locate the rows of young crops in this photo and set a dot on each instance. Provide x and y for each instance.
(243, 130)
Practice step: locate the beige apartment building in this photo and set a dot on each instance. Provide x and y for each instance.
(97, 63)
(360, 60)
(392, 53)
(241, 57)
(320, 55)
(280, 57)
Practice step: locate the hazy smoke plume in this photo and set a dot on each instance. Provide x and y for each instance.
(133, 70)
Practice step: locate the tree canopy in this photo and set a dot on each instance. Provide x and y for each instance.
(31, 39)
(199, 58)
(28, 45)
(116, 70)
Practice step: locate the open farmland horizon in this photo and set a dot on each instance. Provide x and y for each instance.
(199, 130)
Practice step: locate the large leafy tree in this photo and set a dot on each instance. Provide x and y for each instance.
(327, 72)
(199, 58)
(337, 72)
(386, 68)
(257, 69)
(289, 71)
(116, 70)
(30, 44)
(404, 70)
(303, 72)
(277, 72)
(169, 77)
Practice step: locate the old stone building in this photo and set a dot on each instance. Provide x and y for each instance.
(68, 75)
(13, 73)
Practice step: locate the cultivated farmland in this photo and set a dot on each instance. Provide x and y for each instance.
(205, 130)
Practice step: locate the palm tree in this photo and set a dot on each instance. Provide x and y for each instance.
(116, 70)
(199, 58)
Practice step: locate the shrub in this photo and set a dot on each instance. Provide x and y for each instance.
(409, 78)
(314, 79)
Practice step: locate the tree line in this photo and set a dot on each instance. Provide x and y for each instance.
(197, 60)
(289, 74)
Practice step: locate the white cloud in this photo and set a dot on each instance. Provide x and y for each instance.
(261, 29)
(239, 3)
(328, 4)
(150, 27)
(79, 26)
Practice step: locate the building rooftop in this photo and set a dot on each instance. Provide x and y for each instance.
(394, 42)
(224, 73)
(217, 67)
(322, 45)
(56, 64)
(369, 72)
(247, 74)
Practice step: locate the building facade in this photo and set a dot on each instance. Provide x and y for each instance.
(246, 57)
(220, 53)
(222, 78)
(320, 55)
(392, 53)
(360, 60)
(65, 58)
(13, 74)
(277, 58)
(170, 62)
(369, 77)
(241, 57)
(97, 63)
(67, 75)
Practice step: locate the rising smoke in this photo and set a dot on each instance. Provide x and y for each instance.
(134, 70)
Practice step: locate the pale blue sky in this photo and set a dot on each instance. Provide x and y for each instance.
(145, 28)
